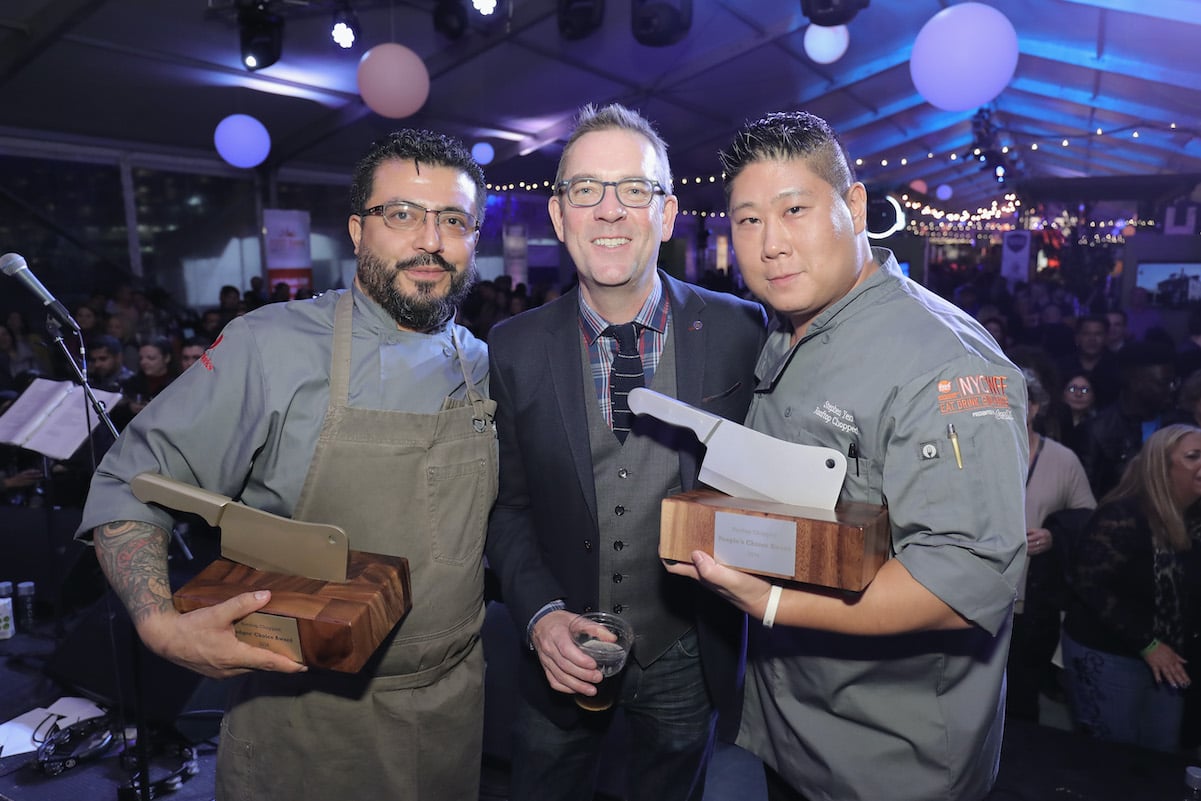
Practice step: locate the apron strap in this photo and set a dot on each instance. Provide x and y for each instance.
(339, 368)
(480, 421)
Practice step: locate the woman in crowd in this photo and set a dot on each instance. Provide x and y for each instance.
(1135, 579)
(156, 369)
(1055, 481)
(16, 355)
(1080, 403)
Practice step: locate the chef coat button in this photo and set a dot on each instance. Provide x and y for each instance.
(619, 510)
(825, 339)
(618, 609)
(587, 608)
(617, 577)
(617, 546)
(446, 351)
(623, 473)
(587, 545)
(788, 411)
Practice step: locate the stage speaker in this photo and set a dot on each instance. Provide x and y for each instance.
(658, 24)
(96, 660)
(578, 18)
(38, 544)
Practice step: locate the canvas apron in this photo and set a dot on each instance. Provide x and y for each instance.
(409, 726)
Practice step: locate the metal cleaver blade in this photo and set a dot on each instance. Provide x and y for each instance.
(253, 537)
(745, 463)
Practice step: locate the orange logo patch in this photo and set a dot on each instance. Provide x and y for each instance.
(205, 360)
(971, 393)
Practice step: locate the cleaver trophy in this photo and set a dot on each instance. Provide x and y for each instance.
(777, 514)
(330, 607)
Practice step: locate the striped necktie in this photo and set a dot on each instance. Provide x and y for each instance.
(625, 375)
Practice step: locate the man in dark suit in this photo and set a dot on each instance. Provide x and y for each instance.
(576, 523)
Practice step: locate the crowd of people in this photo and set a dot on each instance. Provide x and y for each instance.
(439, 422)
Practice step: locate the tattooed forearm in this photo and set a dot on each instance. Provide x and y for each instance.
(133, 555)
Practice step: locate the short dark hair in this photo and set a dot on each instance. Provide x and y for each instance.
(196, 341)
(105, 341)
(1099, 319)
(616, 117)
(787, 135)
(421, 147)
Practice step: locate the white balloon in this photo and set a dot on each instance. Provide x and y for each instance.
(826, 45)
(964, 56)
(393, 80)
(242, 140)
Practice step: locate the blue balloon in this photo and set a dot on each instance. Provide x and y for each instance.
(242, 140)
(482, 152)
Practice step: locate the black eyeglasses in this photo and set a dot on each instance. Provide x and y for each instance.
(401, 216)
(634, 193)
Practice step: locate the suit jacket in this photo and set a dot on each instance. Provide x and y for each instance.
(544, 523)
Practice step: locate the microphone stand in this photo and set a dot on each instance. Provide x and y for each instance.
(140, 783)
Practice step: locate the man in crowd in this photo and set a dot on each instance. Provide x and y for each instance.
(895, 692)
(192, 350)
(106, 365)
(1148, 382)
(1091, 358)
(576, 524)
(339, 410)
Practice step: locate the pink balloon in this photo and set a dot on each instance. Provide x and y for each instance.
(393, 80)
(964, 56)
(919, 186)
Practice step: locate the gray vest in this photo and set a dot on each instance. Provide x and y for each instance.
(631, 480)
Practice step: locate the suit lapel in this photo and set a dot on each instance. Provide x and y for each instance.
(688, 331)
(561, 338)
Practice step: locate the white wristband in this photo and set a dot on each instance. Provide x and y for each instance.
(773, 603)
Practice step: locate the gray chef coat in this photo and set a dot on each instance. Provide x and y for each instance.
(917, 716)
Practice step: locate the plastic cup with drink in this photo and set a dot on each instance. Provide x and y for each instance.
(607, 638)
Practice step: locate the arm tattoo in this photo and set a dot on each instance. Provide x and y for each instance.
(133, 555)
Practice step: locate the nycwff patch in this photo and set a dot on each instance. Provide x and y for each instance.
(971, 393)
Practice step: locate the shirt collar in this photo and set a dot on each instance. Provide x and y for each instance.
(652, 315)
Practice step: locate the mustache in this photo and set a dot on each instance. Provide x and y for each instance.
(428, 260)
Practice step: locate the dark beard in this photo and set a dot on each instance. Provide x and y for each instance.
(421, 311)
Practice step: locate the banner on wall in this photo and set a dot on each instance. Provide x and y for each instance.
(1015, 257)
(288, 251)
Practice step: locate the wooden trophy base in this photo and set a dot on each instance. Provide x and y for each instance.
(325, 624)
(842, 548)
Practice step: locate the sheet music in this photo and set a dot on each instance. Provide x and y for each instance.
(51, 418)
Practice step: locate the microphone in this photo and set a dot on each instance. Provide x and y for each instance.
(14, 265)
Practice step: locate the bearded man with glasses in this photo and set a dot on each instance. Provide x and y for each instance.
(576, 524)
(367, 409)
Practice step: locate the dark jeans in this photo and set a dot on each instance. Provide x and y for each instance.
(1035, 635)
(670, 722)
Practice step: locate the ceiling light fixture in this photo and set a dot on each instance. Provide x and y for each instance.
(658, 24)
(450, 18)
(345, 29)
(578, 18)
(261, 34)
(831, 13)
